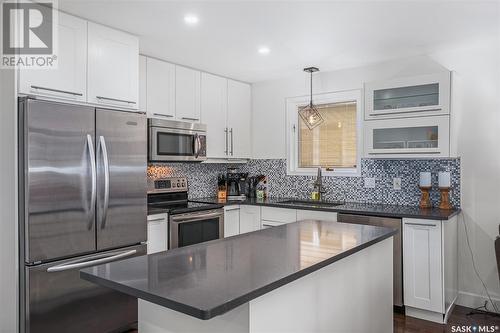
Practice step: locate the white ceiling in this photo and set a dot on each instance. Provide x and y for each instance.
(328, 34)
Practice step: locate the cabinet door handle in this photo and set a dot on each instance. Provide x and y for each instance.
(187, 118)
(115, 99)
(226, 151)
(232, 146)
(163, 115)
(58, 91)
(422, 224)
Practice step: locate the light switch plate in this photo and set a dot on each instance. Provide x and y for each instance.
(369, 182)
(396, 183)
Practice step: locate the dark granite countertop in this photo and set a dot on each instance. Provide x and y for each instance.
(208, 279)
(346, 207)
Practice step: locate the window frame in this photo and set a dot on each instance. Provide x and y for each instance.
(292, 118)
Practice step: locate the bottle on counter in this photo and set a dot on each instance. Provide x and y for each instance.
(221, 187)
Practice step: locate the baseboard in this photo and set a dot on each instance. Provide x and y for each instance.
(472, 300)
(425, 315)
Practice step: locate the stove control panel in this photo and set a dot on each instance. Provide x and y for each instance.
(168, 184)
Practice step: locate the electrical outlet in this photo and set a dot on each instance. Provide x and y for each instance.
(369, 182)
(396, 183)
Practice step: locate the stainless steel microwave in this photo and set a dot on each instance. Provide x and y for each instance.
(170, 140)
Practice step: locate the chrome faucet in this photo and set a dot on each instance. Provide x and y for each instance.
(318, 184)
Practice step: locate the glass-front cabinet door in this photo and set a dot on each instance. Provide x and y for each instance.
(410, 137)
(425, 95)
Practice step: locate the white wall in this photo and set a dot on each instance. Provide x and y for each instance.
(8, 193)
(476, 131)
(475, 137)
(268, 98)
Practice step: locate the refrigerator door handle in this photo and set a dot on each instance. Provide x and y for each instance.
(91, 262)
(93, 171)
(105, 159)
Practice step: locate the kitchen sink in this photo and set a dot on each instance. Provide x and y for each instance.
(312, 203)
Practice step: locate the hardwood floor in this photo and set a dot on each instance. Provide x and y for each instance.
(403, 324)
(459, 317)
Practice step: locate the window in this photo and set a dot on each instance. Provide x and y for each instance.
(335, 144)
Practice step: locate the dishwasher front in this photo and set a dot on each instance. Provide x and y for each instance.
(394, 223)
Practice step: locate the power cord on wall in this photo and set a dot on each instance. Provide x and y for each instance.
(495, 307)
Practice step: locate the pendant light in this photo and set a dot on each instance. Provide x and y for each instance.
(309, 114)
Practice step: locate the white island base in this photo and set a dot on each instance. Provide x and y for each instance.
(353, 294)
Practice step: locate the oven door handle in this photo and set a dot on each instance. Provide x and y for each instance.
(192, 218)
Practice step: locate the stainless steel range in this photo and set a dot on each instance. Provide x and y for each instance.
(189, 222)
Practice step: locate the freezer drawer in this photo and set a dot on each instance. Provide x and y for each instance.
(57, 300)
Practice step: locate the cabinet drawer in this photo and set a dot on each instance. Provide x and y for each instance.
(279, 214)
(270, 224)
(316, 215)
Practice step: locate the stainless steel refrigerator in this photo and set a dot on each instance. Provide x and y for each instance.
(82, 202)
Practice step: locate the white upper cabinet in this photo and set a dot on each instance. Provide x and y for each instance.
(113, 67)
(424, 95)
(160, 89)
(69, 80)
(408, 137)
(214, 114)
(187, 94)
(239, 119)
(143, 84)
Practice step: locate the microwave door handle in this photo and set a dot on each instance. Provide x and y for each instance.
(196, 145)
(90, 146)
(198, 141)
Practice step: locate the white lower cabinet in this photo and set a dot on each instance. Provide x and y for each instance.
(231, 221)
(249, 219)
(429, 267)
(283, 215)
(157, 233)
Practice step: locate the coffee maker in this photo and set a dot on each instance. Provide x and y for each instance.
(236, 185)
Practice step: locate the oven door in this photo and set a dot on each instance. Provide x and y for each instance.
(197, 227)
(169, 144)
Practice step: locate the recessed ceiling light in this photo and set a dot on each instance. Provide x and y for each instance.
(264, 50)
(191, 19)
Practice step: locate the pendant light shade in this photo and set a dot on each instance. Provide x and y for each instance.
(309, 114)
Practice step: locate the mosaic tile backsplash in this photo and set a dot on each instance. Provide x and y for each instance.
(202, 180)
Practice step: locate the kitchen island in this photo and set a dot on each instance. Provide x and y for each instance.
(308, 276)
